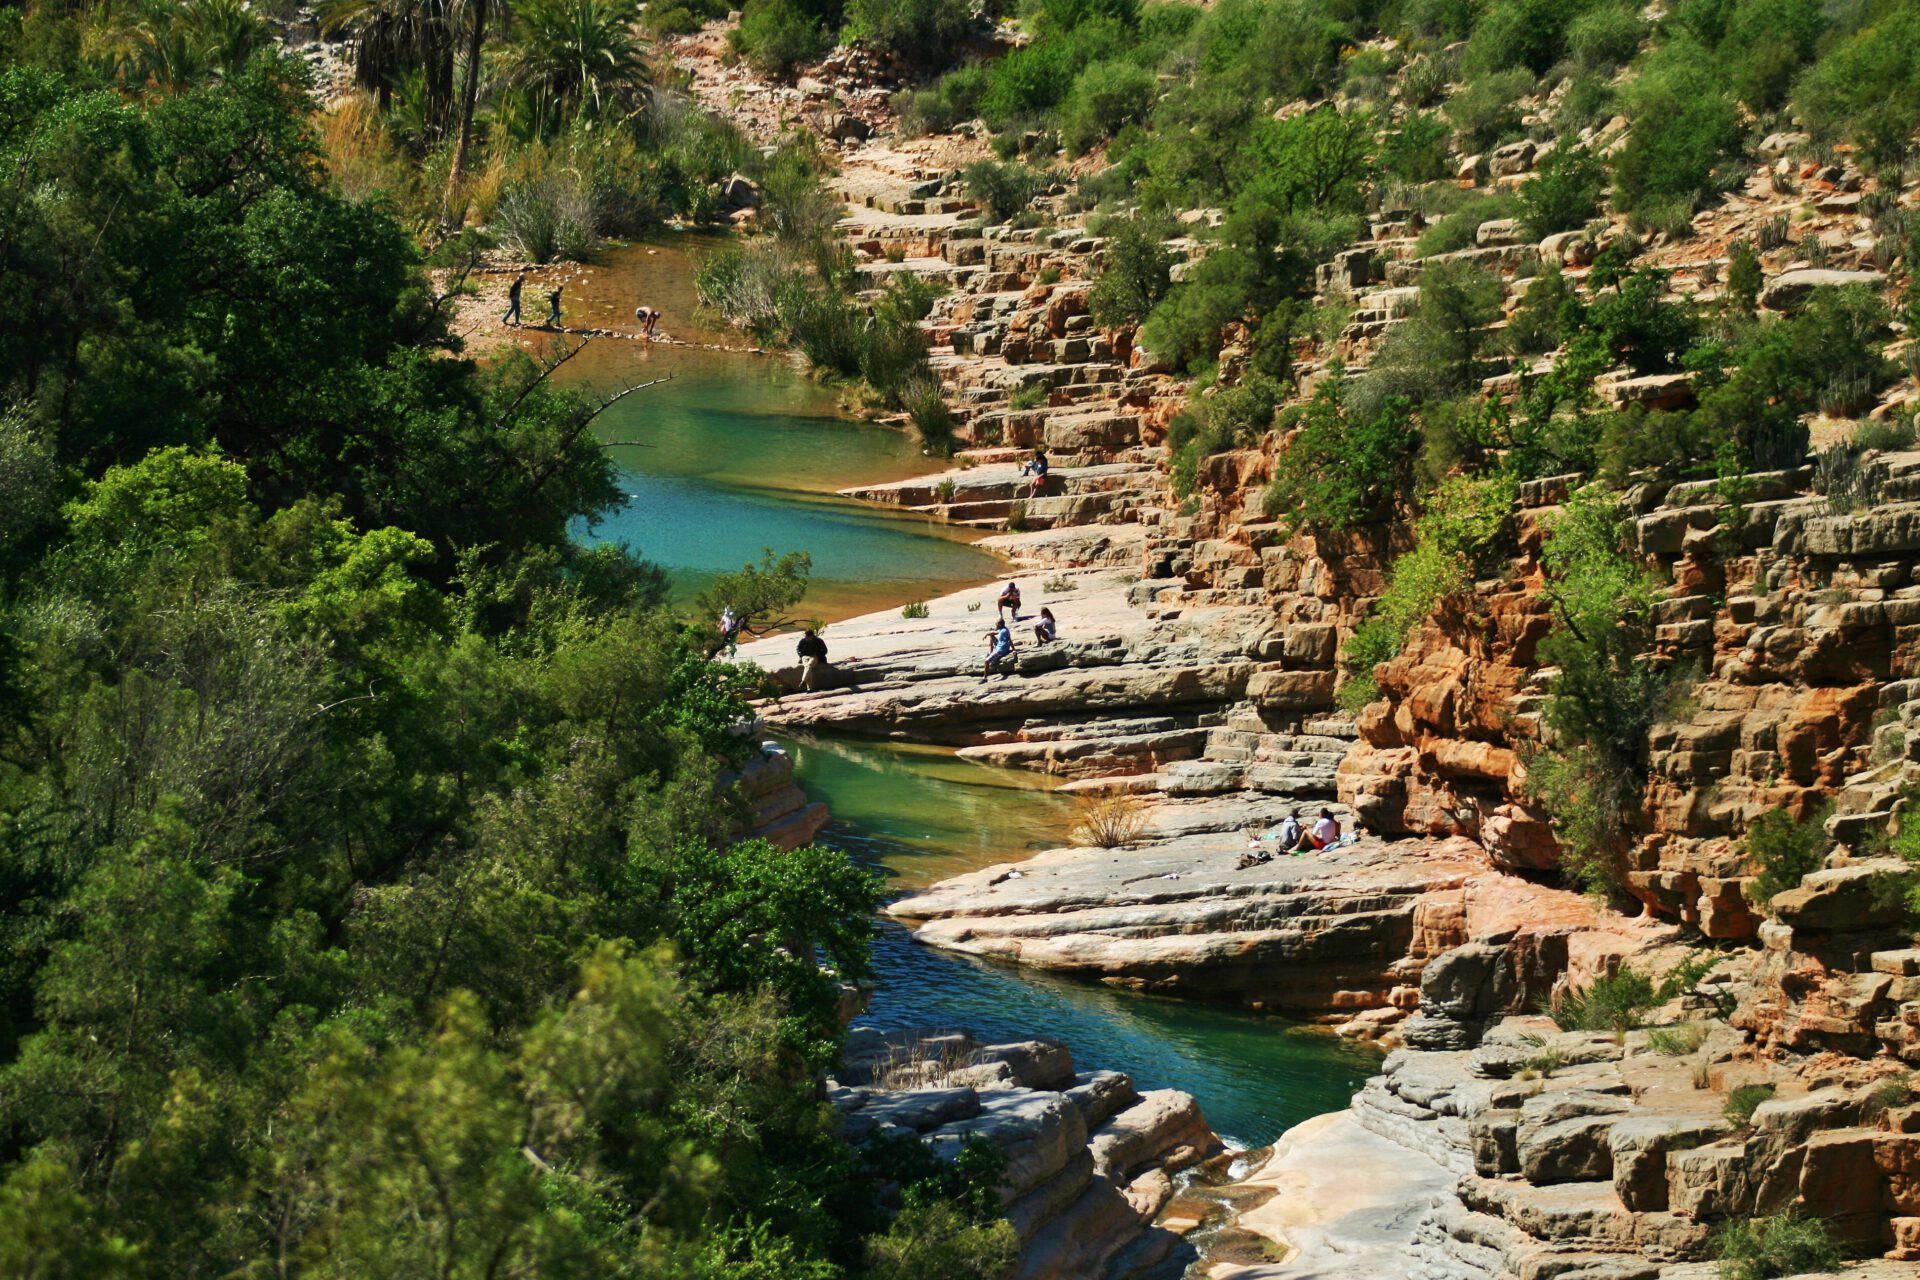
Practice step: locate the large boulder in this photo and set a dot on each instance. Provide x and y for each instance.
(1791, 289)
(1563, 1136)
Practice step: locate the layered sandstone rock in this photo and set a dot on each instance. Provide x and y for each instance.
(1089, 1159)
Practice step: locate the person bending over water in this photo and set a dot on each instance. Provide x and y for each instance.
(648, 317)
(1046, 629)
(813, 661)
(999, 648)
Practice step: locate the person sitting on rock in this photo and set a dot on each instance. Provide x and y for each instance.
(813, 661)
(1037, 468)
(1323, 836)
(1009, 599)
(999, 648)
(1288, 837)
(1046, 629)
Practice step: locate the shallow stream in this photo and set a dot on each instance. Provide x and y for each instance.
(742, 452)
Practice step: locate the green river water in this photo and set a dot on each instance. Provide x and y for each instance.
(742, 452)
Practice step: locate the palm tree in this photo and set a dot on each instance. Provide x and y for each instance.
(578, 55)
(476, 16)
(174, 47)
(393, 37)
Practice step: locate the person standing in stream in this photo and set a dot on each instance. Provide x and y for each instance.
(553, 307)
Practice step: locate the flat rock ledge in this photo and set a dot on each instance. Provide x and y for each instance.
(1091, 1159)
(1343, 935)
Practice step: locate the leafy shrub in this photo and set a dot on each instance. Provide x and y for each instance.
(914, 30)
(933, 1237)
(1563, 193)
(1524, 34)
(1686, 139)
(1418, 150)
(1605, 37)
(1106, 96)
(1744, 278)
(1002, 189)
(1535, 326)
(1744, 1101)
(1782, 1245)
(1784, 851)
(1136, 271)
(1639, 325)
(1338, 469)
(1453, 540)
(1867, 87)
(1458, 229)
(1436, 351)
(1616, 1002)
(1229, 417)
(953, 98)
(914, 609)
(1590, 99)
(1486, 111)
(777, 35)
(1784, 367)
(1031, 396)
(670, 20)
(1604, 698)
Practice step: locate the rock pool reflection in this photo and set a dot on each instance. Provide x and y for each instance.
(920, 815)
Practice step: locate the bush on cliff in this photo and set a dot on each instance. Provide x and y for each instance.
(1456, 538)
(1563, 193)
(1687, 134)
(1606, 694)
(777, 35)
(1341, 469)
(1783, 850)
(1769, 1248)
(1135, 273)
(1229, 418)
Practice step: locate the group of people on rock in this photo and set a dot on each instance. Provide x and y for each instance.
(648, 316)
(1000, 646)
(812, 649)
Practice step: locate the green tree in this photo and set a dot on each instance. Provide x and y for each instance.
(1605, 696)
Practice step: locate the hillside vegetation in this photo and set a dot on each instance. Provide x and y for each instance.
(368, 905)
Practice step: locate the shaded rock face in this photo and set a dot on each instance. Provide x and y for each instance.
(1089, 1158)
(772, 805)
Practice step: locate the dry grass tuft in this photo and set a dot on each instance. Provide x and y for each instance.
(1110, 821)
